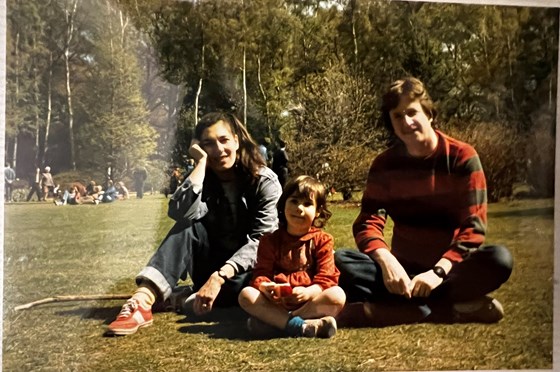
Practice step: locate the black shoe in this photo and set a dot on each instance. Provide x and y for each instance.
(482, 310)
(174, 301)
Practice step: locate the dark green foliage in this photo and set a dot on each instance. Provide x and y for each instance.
(142, 72)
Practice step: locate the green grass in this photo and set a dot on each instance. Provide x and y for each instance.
(98, 249)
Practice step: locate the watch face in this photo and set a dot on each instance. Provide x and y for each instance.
(439, 271)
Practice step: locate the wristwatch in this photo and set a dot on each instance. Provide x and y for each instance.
(439, 271)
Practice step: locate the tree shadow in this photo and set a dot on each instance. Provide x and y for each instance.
(228, 323)
(230, 331)
(106, 314)
(547, 212)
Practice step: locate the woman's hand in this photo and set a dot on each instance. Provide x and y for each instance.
(207, 294)
(196, 151)
(423, 284)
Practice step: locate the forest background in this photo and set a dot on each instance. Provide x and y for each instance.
(93, 83)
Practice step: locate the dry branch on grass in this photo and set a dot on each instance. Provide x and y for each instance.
(69, 298)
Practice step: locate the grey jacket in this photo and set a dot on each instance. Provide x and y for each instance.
(256, 212)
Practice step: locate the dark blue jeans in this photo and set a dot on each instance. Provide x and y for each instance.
(187, 250)
(481, 272)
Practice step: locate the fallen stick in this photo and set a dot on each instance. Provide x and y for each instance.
(72, 298)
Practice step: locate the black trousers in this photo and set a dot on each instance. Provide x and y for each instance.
(481, 272)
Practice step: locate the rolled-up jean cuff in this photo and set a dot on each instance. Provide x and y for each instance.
(156, 278)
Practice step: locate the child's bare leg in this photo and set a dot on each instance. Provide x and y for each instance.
(328, 303)
(256, 304)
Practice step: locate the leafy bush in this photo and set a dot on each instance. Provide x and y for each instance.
(332, 137)
(501, 149)
(540, 156)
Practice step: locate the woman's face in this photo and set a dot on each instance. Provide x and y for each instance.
(221, 145)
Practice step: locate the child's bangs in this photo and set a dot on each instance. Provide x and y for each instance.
(306, 190)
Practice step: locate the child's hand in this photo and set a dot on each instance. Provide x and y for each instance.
(268, 289)
(301, 294)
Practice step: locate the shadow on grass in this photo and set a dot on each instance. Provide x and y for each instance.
(228, 323)
(231, 331)
(532, 212)
(107, 314)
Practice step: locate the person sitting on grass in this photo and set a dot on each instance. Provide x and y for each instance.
(122, 191)
(434, 189)
(75, 194)
(300, 256)
(110, 194)
(222, 209)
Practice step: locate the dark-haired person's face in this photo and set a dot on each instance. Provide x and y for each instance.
(410, 122)
(300, 212)
(221, 145)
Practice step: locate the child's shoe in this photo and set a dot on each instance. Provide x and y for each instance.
(131, 317)
(322, 328)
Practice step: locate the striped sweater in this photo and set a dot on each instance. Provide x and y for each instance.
(438, 204)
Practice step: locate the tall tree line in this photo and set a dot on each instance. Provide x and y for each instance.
(308, 72)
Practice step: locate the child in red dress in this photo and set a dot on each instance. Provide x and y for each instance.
(295, 281)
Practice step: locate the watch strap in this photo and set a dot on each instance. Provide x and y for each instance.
(222, 275)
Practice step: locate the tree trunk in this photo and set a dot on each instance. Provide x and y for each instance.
(354, 36)
(244, 85)
(199, 89)
(49, 108)
(265, 98)
(70, 13)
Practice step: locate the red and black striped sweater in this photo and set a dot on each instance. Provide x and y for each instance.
(438, 204)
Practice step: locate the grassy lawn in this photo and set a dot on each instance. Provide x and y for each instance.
(91, 249)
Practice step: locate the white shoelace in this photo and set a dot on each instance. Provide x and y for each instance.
(128, 308)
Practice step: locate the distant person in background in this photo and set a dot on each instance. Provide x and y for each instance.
(140, 175)
(9, 178)
(90, 188)
(122, 190)
(175, 180)
(108, 175)
(264, 151)
(74, 194)
(47, 183)
(280, 163)
(189, 167)
(110, 194)
(35, 185)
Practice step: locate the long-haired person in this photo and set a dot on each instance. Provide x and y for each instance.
(222, 209)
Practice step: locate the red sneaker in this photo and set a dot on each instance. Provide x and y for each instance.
(131, 317)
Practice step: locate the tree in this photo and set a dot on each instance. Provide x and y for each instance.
(119, 132)
(332, 136)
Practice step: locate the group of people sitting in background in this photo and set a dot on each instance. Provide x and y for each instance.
(77, 193)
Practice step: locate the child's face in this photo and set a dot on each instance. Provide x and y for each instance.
(300, 213)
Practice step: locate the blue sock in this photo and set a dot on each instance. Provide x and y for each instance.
(294, 326)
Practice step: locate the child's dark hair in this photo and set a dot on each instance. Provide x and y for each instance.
(310, 188)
